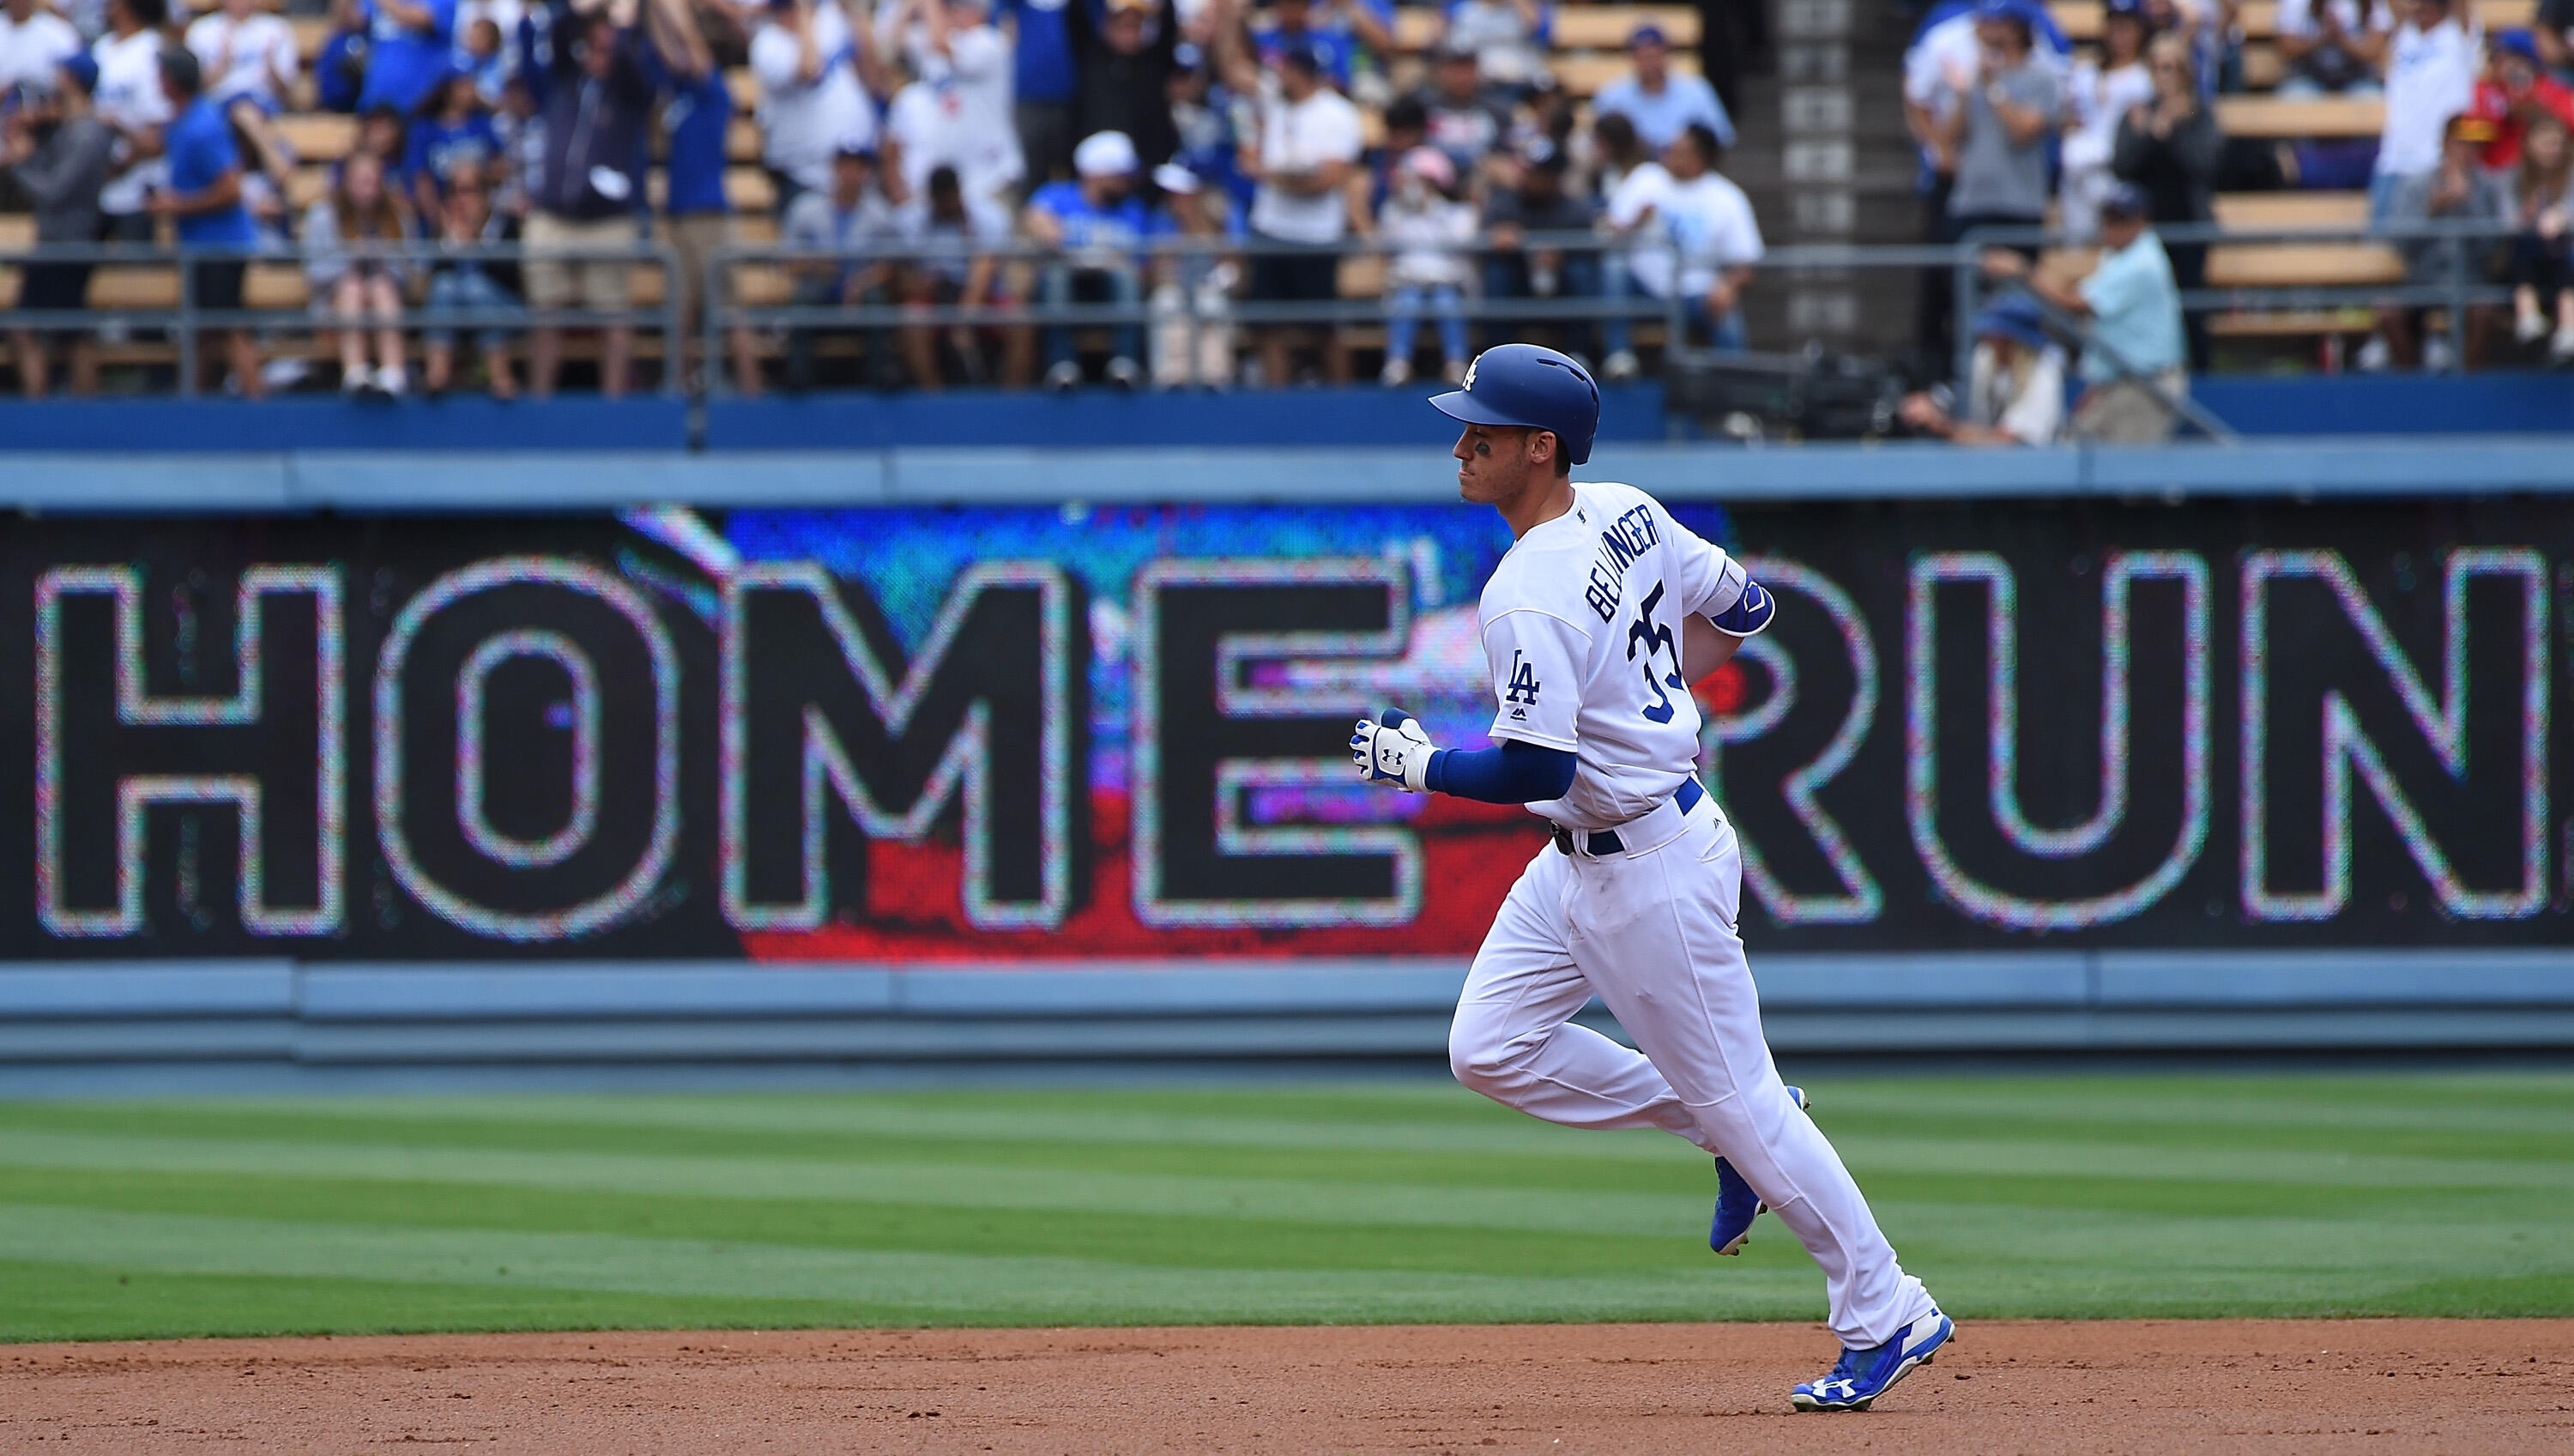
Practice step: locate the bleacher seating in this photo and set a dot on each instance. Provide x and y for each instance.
(1589, 41)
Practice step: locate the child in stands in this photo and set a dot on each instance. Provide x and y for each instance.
(352, 242)
(1429, 230)
(2542, 269)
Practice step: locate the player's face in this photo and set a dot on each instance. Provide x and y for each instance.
(1494, 465)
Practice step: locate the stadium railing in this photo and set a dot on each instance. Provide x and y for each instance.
(746, 287)
(188, 316)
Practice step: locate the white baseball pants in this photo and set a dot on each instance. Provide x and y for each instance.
(1652, 932)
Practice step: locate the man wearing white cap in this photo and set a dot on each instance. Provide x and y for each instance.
(1094, 227)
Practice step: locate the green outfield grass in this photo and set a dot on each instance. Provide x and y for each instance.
(2083, 1198)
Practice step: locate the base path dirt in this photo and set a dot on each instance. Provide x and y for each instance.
(2146, 1386)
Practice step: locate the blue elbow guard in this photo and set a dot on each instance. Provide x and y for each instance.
(1749, 612)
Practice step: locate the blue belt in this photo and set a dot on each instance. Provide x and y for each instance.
(1606, 842)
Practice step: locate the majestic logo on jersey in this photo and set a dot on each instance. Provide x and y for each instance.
(1625, 538)
(1522, 688)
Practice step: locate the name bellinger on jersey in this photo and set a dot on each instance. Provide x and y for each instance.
(1579, 625)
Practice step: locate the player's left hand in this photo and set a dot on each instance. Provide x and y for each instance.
(1395, 752)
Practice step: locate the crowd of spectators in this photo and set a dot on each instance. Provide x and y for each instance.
(2020, 132)
(1201, 185)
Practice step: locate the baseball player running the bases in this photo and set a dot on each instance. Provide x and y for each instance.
(1596, 621)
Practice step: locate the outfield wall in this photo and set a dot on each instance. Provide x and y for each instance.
(786, 776)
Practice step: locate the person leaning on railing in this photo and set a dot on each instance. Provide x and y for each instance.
(2138, 358)
(2014, 384)
(59, 155)
(204, 200)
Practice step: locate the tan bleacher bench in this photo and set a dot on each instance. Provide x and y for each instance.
(2286, 118)
(1578, 27)
(2322, 212)
(2081, 19)
(1585, 75)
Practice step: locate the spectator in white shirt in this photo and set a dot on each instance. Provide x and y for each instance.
(33, 41)
(959, 111)
(250, 60)
(2100, 94)
(2014, 391)
(811, 108)
(2430, 77)
(1662, 102)
(130, 100)
(2333, 47)
(1309, 141)
(1508, 38)
(850, 223)
(1698, 242)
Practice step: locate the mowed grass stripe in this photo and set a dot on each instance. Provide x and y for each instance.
(1412, 1201)
(2318, 1115)
(951, 1185)
(1241, 1240)
(2139, 1146)
(954, 1287)
(854, 1286)
(112, 1302)
(2436, 1239)
(2041, 1175)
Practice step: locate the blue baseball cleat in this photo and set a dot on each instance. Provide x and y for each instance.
(1735, 1205)
(1860, 1376)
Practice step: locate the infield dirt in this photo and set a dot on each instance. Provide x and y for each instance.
(2006, 1386)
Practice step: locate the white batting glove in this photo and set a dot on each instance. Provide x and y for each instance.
(1395, 752)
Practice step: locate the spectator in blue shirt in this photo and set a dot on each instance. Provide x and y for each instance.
(484, 55)
(1660, 102)
(1332, 31)
(203, 199)
(1043, 83)
(409, 45)
(340, 69)
(697, 118)
(1094, 227)
(452, 139)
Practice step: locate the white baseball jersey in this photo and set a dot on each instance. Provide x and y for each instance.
(1582, 624)
(1582, 628)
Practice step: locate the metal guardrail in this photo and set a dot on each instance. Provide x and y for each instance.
(2458, 288)
(1149, 257)
(190, 317)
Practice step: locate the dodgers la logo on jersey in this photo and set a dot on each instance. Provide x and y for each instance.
(1521, 689)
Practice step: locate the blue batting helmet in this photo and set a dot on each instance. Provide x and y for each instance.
(1532, 388)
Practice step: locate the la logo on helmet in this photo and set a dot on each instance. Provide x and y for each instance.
(1469, 381)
